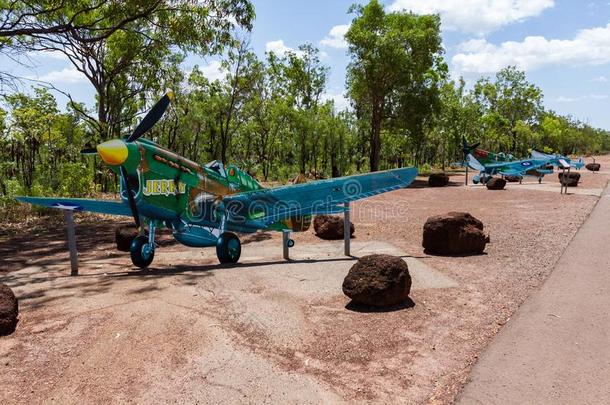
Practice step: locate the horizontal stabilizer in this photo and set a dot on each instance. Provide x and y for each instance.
(80, 204)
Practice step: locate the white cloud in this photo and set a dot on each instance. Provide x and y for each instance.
(336, 37)
(279, 48)
(47, 54)
(564, 99)
(66, 76)
(589, 47)
(212, 71)
(600, 79)
(475, 16)
(339, 99)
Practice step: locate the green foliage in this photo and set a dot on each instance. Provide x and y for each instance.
(267, 114)
(509, 105)
(396, 65)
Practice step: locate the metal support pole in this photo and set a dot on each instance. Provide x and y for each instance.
(466, 183)
(71, 242)
(346, 230)
(564, 180)
(285, 239)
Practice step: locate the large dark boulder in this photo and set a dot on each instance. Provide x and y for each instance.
(456, 233)
(496, 183)
(570, 179)
(378, 280)
(593, 167)
(438, 180)
(513, 179)
(124, 235)
(330, 227)
(9, 310)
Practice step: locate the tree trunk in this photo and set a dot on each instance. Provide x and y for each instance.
(375, 139)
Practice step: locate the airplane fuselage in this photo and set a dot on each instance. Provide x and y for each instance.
(183, 195)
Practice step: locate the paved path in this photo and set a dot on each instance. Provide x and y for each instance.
(556, 349)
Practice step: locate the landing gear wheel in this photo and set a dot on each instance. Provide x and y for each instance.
(142, 254)
(290, 243)
(228, 248)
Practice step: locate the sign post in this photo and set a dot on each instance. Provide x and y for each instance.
(346, 230)
(564, 181)
(285, 240)
(68, 215)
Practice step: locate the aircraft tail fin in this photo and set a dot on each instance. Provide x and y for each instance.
(474, 163)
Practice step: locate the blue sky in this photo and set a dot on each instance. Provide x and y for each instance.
(563, 45)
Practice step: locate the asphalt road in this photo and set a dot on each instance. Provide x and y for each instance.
(556, 349)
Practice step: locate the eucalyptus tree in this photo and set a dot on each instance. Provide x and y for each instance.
(121, 45)
(396, 63)
(508, 102)
(269, 111)
(458, 118)
(305, 81)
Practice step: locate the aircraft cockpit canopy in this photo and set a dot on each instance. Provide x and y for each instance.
(218, 167)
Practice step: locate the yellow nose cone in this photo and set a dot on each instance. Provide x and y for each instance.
(113, 152)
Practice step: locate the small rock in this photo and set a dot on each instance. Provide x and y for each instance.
(594, 167)
(330, 227)
(378, 280)
(496, 183)
(9, 310)
(438, 180)
(456, 233)
(570, 179)
(124, 235)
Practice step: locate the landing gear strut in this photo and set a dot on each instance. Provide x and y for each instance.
(142, 248)
(228, 248)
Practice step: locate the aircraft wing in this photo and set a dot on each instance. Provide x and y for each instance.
(80, 204)
(261, 208)
(519, 167)
(579, 164)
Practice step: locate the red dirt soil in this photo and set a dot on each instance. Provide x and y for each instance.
(63, 347)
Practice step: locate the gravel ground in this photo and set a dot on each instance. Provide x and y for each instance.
(253, 337)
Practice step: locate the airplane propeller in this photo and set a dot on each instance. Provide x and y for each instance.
(467, 149)
(130, 197)
(88, 151)
(153, 116)
(150, 119)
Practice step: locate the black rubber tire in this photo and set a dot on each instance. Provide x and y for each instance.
(137, 257)
(290, 243)
(228, 248)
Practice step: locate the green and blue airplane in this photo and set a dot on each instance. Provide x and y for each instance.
(518, 168)
(577, 164)
(204, 205)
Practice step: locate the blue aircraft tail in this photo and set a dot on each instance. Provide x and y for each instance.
(474, 163)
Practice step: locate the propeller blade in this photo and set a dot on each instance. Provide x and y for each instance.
(89, 151)
(153, 116)
(130, 197)
(476, 145)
